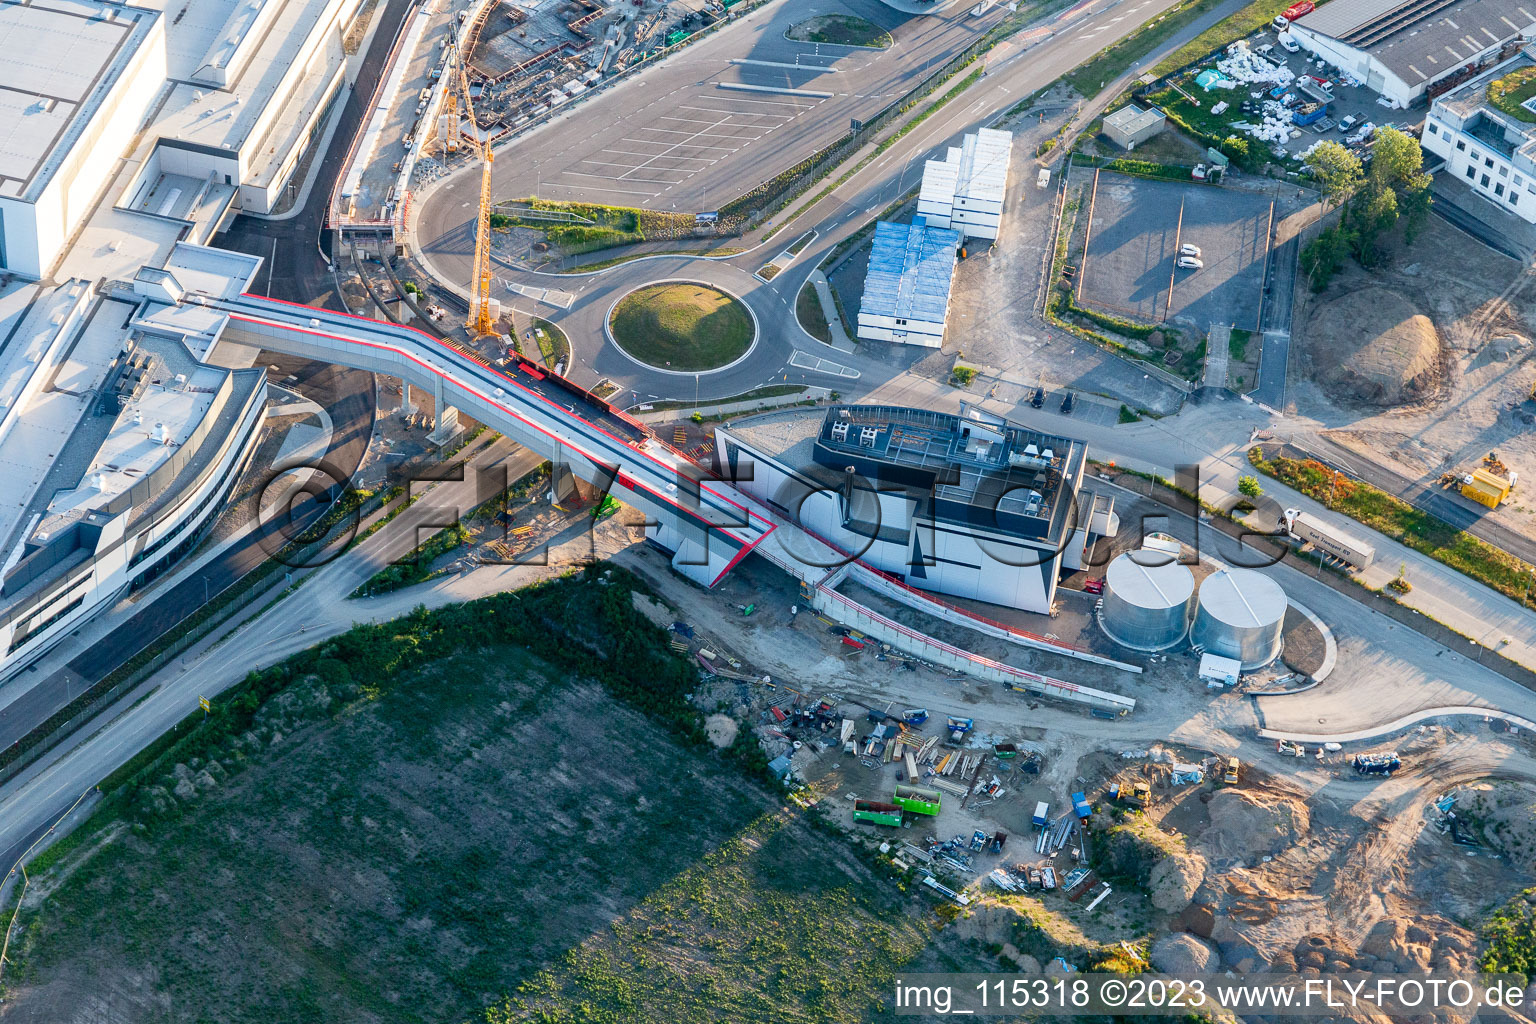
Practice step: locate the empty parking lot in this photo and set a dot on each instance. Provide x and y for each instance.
(709, 126)
(1135, 229)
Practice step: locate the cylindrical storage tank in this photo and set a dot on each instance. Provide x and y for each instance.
(1241, 615)
(1147, 600)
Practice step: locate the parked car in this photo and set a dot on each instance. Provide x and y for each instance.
(1347, 123)
(1190, 250)
(1189, 263)
(1094, 585)
(1288, 43)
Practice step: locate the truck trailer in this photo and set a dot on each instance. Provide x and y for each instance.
(1329, 538)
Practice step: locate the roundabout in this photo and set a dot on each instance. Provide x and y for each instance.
(683, 327)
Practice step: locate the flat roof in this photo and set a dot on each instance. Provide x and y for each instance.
(223, 119)
(1132, 119)
(1422, 40)
(62, 58)
(984, 164)
(973, 459)
(910, 270)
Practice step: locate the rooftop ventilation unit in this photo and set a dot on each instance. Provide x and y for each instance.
(867, 437)
(840, 431)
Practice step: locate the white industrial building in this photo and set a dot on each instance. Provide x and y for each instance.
(966, 190)
(108, 108)
(906, 290)
(966, 505)
(1486, 149)
(118, 446)
(1405, 50)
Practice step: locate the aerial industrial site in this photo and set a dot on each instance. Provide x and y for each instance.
(766, 510)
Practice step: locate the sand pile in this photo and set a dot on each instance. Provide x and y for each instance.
(1246, 825)
(1183, 953)
(1174, 881)
(1372, 345)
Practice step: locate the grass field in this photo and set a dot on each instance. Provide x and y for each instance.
(551, 343)
(499, 811)
(808, 312)
(841, 30)
(682, 326)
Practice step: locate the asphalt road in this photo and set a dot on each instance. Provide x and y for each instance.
(347, 396)
(681, 136)
(294, 269)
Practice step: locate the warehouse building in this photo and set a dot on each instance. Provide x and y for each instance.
(1490, 151)
(118, 447)
(1130, 126)
(966, 505)
(1407, 51)
(150, 127)
(966, 190)
(906, 290)
(76, 83)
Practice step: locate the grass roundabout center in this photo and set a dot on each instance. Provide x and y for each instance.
(682, 326)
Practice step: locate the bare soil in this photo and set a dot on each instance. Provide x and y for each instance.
(1443, 418)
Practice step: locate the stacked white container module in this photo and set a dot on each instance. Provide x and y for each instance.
(966, 190)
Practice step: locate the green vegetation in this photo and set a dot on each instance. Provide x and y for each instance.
(1244, 23)
(1511, 937)
(840, 30)
(769, 271)
(1129, 415)
(554, 347)
(1249, 487)
(769, 391)
(1207, 129)
(413, 793)
(1139, 168)
(1510, 93)
(1395, 190)
(808, 312)
(801, 243)
(1237, 344)
(961, 376)
(1091, 76)
(1394, 517)
(1045, 146)
(575, 228)
(415, 567)
(682, 326)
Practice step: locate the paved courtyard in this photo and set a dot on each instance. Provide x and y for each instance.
(1137, 226)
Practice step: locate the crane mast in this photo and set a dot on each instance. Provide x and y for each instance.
(479, 321)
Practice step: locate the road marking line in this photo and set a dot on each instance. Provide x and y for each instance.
(808, 93)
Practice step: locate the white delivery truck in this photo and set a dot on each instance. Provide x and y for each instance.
(1329, 538)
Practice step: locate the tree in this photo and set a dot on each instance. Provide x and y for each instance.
(1372, 213)
(1338, 171)
(1397, 166)
(1249, 487)
(1322, 256)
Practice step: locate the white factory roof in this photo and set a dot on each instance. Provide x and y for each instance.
(60, 59)
(221, 273)
(983, 172)
(134, 447)
(939, 178)
(224, 119)
(910, 269)
(37, 438)
(1421, 39)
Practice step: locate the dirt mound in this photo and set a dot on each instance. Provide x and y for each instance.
(1183, 953)
(1245, 825)
(1174, 881)
(1372, 345)
(1507, 813)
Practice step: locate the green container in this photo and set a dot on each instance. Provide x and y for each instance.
(917, 800)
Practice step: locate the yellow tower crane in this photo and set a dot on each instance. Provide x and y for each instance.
(480, 320)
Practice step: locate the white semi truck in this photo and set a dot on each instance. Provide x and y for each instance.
(1329, 538)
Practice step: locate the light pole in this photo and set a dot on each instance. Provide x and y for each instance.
(205, 590)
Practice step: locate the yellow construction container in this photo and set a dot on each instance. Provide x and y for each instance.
(1486, 488)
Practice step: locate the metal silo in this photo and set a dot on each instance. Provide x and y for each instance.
(1241, 615)
(1147, 599)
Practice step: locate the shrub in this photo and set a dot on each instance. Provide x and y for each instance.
(1249, 486)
